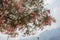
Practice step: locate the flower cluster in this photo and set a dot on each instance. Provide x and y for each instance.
(21, 13)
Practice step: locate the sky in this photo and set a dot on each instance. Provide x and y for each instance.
(54, 6)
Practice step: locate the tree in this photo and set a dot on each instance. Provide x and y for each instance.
(21, 13)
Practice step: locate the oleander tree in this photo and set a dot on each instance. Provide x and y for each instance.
(25, 15)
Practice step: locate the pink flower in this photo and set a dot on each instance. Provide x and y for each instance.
(47, 21)
(53, 19)
(3, 21)
(48, 11)
(33, 14)
(10, 29)
(20, 10)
